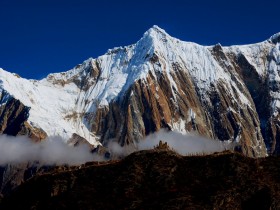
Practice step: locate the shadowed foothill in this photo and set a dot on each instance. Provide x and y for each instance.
(156, 179)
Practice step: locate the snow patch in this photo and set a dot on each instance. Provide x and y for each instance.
(179, 126)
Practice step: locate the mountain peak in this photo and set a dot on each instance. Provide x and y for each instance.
(159, 82)
(155, 32)
(153, 38)
(157, 29)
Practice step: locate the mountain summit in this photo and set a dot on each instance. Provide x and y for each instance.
(225, 93)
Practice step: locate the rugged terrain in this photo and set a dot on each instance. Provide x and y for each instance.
(156, 179)
(225, 93)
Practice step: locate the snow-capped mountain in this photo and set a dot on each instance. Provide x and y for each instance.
(226, 93)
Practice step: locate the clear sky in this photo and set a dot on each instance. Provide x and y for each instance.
(38, 37)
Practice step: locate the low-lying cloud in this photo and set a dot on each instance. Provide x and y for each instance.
(118, 151)
(53, 150)
(184, 144)
(50, 151)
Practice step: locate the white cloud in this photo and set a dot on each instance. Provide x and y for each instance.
(184, 144)
(50, 151)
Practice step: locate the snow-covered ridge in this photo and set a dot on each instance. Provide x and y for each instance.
(275, 38)
(70, 73)
(50, 104)
(59, 103)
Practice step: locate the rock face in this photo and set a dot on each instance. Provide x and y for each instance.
(13, 119)
(225, 93)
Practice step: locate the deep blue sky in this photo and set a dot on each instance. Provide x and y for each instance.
(38, 37)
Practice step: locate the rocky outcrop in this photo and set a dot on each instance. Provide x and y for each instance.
(13, 119)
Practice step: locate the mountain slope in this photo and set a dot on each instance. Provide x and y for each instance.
(156, 180)
(226, 93)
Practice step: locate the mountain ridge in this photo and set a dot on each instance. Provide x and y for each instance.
(159, 82)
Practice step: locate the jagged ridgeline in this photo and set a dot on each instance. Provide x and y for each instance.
(224, 93)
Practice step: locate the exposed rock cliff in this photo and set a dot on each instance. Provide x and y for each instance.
(13, 119)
